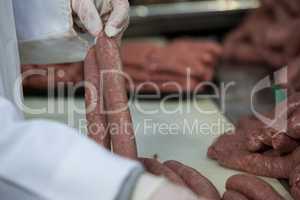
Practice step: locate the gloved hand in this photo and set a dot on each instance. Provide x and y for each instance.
(174, 192)
(110, 15)
(151, 187)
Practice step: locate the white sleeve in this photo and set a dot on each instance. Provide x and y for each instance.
(47, 160)
(9, 56)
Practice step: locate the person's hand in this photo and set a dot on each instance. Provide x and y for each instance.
(174, 192)
(151, 187)
(112, 16)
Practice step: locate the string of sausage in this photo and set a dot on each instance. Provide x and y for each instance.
(115, 97)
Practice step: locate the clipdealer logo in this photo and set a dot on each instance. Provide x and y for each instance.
(279, 121)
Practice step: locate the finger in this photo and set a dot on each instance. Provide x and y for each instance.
(88, 15)
(118, 18)
(120, 35)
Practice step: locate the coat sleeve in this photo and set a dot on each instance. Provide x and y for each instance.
(10, 70)
(46, 160)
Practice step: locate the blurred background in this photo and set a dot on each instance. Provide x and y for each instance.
(236, 42)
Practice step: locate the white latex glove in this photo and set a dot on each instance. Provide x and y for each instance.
(174, 192)
(116, 11)
(151, 187)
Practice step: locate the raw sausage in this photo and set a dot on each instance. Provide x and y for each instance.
(115, 97)
(155, 167)
(230, 151)
(232, 195)
(252, 187)
(295, 183)
(284, 143)
(199, 184)
(96, 119)
(294, 125)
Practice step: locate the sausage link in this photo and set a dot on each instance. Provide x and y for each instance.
(115, 97)
(153, 166)
(295, 191)
(295, 182)
(294, 125)
(199, 184)
(96, 119)
(230, 151)
(233, 195)
(252, 187)
(284, 143)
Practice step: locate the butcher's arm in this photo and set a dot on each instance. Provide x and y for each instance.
(48, 160)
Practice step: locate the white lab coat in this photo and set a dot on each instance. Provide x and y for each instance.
(47, 160)
(9, 55)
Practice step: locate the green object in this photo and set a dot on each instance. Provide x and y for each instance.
(280, 93)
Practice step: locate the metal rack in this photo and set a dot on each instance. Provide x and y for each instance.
(188, 16)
